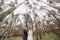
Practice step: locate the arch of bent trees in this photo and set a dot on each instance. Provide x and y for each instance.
(30, 7)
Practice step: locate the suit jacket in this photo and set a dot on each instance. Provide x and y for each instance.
(25, 34)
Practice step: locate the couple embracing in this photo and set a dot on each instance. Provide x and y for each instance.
(27, 33)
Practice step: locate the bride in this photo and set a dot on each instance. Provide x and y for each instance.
(30, 34)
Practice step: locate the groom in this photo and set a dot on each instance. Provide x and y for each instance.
(25, 34)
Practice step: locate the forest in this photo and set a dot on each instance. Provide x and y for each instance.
(43, 16)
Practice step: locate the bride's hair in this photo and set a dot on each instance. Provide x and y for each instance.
(29, 28)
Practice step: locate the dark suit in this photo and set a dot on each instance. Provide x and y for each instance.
(25, 34)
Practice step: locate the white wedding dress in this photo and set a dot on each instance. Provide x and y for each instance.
(30, 35)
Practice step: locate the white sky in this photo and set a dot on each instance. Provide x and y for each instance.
(22, 8)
